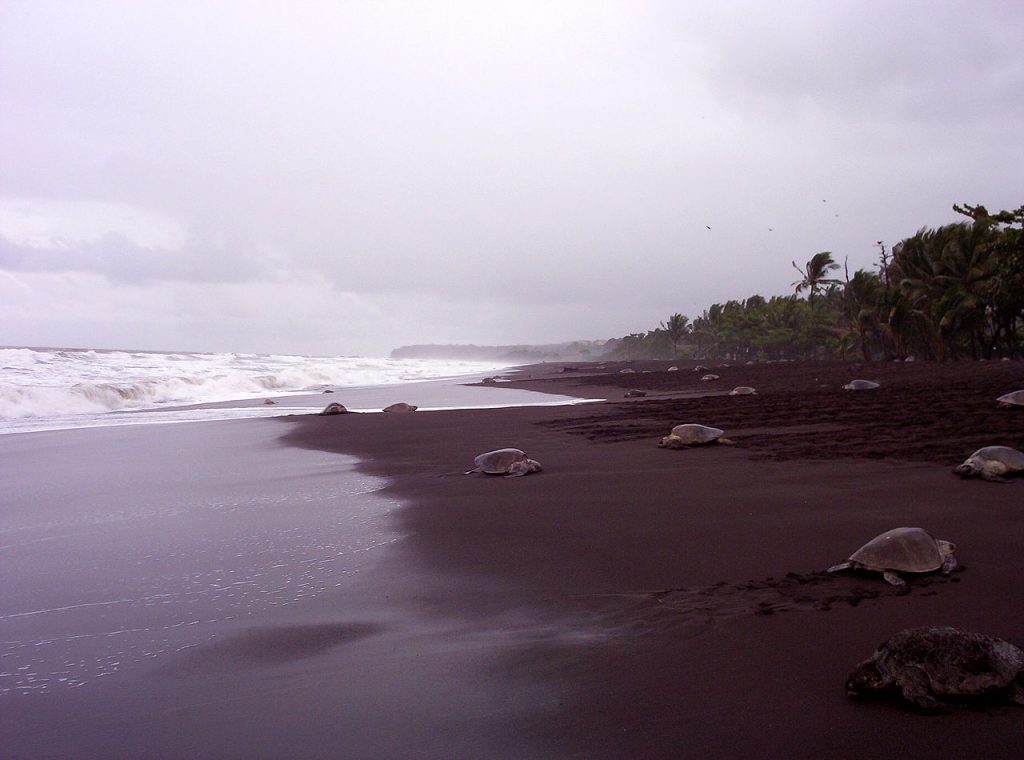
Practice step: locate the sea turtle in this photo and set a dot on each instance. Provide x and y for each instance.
(489, 381)
(701, 368)
(692, 434)
(1011, 399)
(905, 550)
(992, 463)
(931, 662)
(709, 377)
(673, 368)
(401, 406)
(860, 385)
(742, 390)
(334, 408)
(627, 371)
(509, 462)
(269, 402)
(635, 393)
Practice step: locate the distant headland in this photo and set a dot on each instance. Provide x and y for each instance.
(579, 350)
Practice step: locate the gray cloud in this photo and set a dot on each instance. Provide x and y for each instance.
(562, 161)
(120, 259)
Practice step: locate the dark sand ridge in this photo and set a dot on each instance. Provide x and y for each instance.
(687, 583)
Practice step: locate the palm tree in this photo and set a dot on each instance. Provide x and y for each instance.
(677, 327)
(708, 331)
(815, 274)
(865, 296)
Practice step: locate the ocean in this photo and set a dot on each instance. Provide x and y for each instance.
(49, 388)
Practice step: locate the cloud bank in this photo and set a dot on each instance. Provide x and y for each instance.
(347, 177)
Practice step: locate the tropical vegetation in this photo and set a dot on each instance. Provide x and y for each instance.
(952, 292)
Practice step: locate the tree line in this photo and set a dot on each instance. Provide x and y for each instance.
(953, 292)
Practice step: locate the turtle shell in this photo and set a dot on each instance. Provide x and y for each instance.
(691, 433)
(1012, 399)
(1011, 459)
(956, 662)
(499, 461)
(909, 550)
(401, 406)
(860, 385)
(742, 390)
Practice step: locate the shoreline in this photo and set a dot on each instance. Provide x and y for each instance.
(442, 393)
(686, 587)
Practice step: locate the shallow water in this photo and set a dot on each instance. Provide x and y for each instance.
(122, 546)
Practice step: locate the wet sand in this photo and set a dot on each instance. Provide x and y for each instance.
(628, 601)
(682, 592)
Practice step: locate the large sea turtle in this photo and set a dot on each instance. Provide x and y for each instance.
(931, 662)
(401, 406)
(709, 377)
(692, 434)
(992, 463)
(635, 393)
(509, 462)
(334, 408)
(903, 550)
(860, 385)
(1014, 399)
(742, 390)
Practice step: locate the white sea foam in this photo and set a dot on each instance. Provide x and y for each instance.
(55, 384)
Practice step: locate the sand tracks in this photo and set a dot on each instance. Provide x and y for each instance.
(696, 607)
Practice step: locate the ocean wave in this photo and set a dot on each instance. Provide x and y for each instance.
(64, 382)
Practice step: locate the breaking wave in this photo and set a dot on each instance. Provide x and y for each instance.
(46, 383)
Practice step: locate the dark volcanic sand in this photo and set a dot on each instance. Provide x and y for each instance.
(676, 597)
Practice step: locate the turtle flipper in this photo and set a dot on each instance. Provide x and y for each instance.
(726, 442)
(840, 566)
(517, 469)
(917, 689)
(893, 579)
(473, 471)
(991, 477)
(949, 564)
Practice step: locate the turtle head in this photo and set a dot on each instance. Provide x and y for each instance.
(946, 548)
(967, 469)
(533, 465)
(865, 678)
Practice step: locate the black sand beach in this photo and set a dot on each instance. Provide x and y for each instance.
(628, 601)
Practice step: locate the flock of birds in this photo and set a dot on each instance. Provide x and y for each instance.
(922, 664)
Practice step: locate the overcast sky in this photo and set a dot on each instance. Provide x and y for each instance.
(346, 177)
